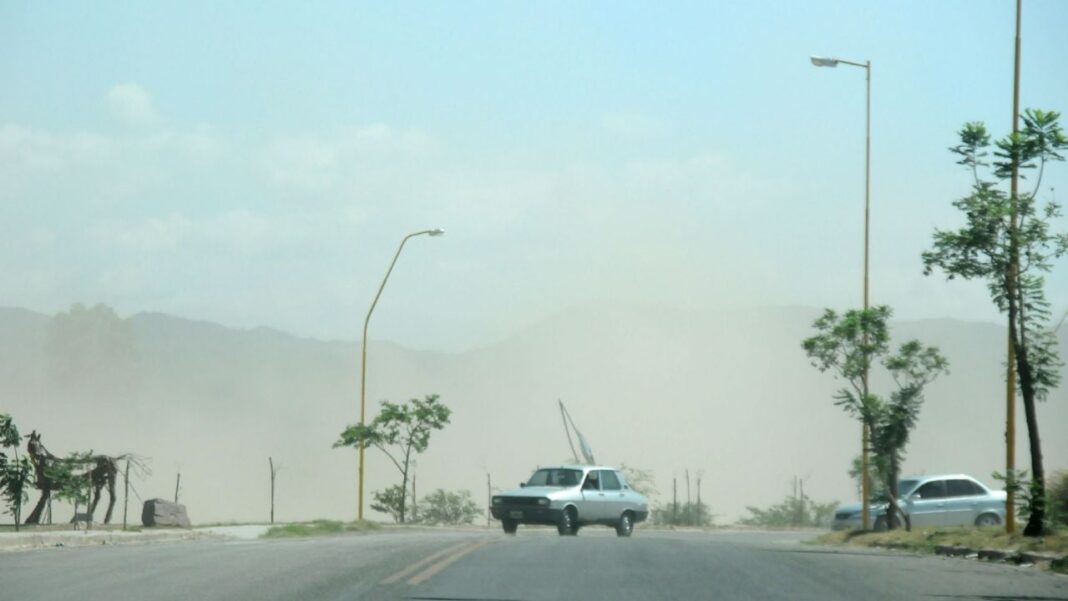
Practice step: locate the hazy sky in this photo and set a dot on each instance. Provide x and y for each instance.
(257, 163)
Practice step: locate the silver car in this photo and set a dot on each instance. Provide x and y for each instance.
(572, 496)
(946, 500)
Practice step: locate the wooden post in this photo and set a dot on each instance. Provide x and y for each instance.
(177, 485)
(125, 492)
(89, 500)
(270, 462)
(489, 498)
(415, 502)
(674, 500)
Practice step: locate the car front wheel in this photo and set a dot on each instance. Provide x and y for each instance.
(568, 525)
(509, 526)
(626, 525)
(987, 519)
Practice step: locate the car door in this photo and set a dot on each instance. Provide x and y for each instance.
(613, 500)
(962, 502)
(928, 504)
(591, 507)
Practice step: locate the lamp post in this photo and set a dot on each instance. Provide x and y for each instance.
(363, 359)
(866, 65)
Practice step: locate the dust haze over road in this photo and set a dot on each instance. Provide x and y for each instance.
(727, 393)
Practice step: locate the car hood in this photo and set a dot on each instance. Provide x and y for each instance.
(535, 491)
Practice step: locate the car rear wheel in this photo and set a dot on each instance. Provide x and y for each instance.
(987, 519)
(626, 524)
(568, 525)
(509, 526)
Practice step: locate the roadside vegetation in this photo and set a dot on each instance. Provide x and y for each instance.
(793, 512)
(926, 540)
(319, 528)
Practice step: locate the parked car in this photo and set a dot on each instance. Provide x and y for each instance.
(947, 500)
(572, 496)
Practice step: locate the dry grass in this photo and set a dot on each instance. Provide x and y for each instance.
(926, 539)
(319, 528)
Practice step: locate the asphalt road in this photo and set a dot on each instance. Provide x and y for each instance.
(535, 565)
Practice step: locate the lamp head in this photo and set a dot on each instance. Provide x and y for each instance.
(820, 61)
(437, 232)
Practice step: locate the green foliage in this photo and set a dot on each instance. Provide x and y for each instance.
(399, 430)
(1007, 241)
(69, 477)
(848, 345)
(449, 508)
(16, 473)
(641, 481)
(1057, 495)
(318, 528)
(693, 514)
(793, 512)
(391, 501)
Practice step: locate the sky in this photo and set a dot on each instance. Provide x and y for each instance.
(257, 163)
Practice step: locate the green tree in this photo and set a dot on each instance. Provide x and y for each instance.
(848, 345)
(793, 512)
(399, 431)
(391, 501)
(1007, 242)
(15, 472)
(450, 508)
(641, 481)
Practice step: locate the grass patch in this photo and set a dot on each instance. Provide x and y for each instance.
(924, 540)
(319, 528)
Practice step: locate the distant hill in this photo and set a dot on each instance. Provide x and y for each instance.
(727, 395)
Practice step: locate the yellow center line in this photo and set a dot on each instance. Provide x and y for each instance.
(428, 573)
(421, 563)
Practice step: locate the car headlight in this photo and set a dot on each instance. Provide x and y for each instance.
(497, 500)
(543, 502)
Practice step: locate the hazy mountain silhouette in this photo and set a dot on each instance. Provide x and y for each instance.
(727, 394)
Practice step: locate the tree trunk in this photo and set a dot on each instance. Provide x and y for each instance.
(1036, 521)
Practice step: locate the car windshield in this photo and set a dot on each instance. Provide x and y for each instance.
(555, 477)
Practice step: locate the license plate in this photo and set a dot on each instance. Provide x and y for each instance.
(515, 514)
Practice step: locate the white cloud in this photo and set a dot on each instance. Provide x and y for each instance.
(132, 105)
(634, 125)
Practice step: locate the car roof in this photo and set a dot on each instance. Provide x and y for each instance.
(927, 477)
(577, 466)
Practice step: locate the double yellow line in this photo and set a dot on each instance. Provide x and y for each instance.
(426, 568)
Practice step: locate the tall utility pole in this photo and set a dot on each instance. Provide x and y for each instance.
(363, 360)
(865, 433)
(489, 498)
(1010, 376)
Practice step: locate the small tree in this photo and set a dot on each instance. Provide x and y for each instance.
(15, 472)
(848, 345)
(450, 508)
(793, 512)
(1006, 241)
(399, 431)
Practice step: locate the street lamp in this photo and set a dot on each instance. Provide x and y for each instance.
(866, 65)
(363, 360)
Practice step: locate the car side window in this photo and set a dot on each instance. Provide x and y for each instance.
(592, 482)
(935, 489)
(609, 481)
(962, 488)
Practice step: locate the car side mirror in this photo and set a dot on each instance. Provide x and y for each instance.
(522, 485)
(915, 496)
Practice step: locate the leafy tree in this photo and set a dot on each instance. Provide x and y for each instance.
(641, 481)
(399, 431)
(793, 512)
(1058, 499)
(848, 345)
(390, 501)
(692, 514)
(15, 472)
(1007, 242)
(451, 508)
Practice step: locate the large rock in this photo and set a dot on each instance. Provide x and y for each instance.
(161, 513)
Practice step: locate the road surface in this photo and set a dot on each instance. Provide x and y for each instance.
(535, 565)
